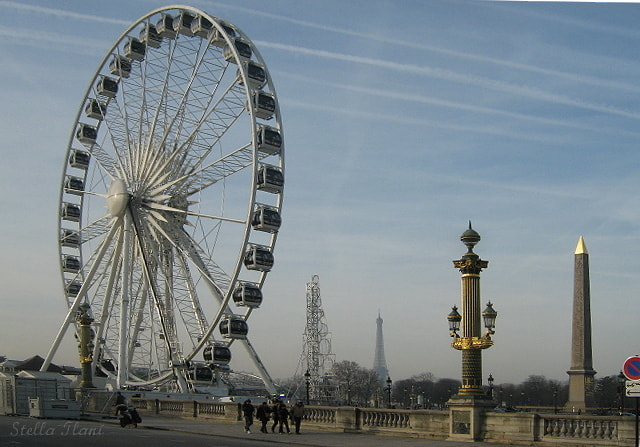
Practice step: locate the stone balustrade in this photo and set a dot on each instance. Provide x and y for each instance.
(576, 427)
(538, 429)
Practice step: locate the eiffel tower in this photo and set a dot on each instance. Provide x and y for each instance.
(379, 361)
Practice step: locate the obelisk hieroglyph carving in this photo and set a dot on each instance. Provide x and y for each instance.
(581, 373)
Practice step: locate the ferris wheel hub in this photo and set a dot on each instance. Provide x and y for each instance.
(117, 198)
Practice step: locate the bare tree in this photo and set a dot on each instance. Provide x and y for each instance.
(356, 385)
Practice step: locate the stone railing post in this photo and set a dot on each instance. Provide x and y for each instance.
(232, 411)
(347, 418)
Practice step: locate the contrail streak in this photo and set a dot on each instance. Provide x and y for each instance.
(452, 76)
(63, 13)
(387, 39)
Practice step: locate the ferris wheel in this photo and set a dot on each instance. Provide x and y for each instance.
(171, 197)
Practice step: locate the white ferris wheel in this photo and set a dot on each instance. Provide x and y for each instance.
(170, 199)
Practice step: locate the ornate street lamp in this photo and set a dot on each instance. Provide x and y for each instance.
(454, 321)
(85, 347)
(621, 385)
(470, 341)
(389, 392)
(490, 380)
(489, 316)
(307, 379)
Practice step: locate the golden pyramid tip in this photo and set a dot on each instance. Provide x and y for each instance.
(581, 248)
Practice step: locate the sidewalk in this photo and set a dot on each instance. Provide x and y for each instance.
(309, 437)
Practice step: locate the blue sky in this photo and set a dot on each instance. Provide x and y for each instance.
(402, 123)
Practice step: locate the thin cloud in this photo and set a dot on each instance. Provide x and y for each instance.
(63, 13)
(386, 39)
(572, 21)
(452, 76)
(407, 68)
(519, 187)
(590, 80)
(53, 41)
(455, 105)
(407, 120)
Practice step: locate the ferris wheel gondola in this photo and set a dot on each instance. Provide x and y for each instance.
(171, 139)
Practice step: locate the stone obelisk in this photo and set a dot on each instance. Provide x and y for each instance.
(581, 384)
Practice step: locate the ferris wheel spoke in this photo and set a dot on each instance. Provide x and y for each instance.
(105, 161)
(115, 160)
(226, 166)
(104, 312)
(196, 95)
(73, 307)
(117, 126)
(204, 177)
(163, 309)
(138, 305)
(215, 277)
(93, 230)
(187, 302)
(168, 110)
(215, 121)
(91, 270)
(201, 140)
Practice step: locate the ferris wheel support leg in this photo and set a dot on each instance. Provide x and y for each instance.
(123, 371)
(71, 313)
(266, 378)
(99, 347)
(179, 374)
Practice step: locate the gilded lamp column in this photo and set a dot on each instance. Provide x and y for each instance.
(85, 346)
(471, 341)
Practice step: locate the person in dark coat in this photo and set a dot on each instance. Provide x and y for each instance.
(275, 415)
(297, 411)
(283, 416)
(247, 411)
(263, 413)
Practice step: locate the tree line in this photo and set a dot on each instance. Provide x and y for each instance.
(354, 385)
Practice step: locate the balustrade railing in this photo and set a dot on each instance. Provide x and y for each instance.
(382, 418)
(320, 415)
(211, 409)
(579, 428)
(172, 406)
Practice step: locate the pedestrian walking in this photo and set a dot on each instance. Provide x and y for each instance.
(247, 411)
(283, 416)
(275, 415)
(263, 413)
(297, 411)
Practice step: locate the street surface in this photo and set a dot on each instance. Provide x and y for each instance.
(29, 432)
(159, 431)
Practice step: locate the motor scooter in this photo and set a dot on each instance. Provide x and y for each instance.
(128, 415)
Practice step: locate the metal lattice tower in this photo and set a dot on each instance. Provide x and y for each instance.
(379, 361)
(317, 355)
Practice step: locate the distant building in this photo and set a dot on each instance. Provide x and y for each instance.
(34, 363)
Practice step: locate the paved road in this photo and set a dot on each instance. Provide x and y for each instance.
(167, 431)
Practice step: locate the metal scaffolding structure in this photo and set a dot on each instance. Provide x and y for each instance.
(316, 352)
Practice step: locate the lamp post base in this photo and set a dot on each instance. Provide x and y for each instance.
(465, 416)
